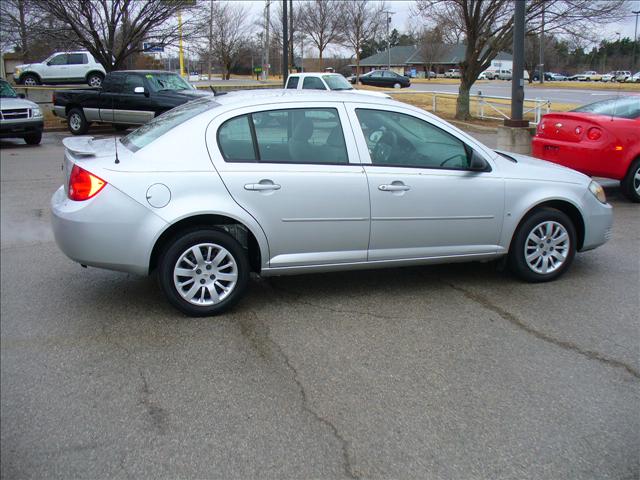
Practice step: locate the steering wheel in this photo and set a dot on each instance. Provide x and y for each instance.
(384, 146)
(453, 157)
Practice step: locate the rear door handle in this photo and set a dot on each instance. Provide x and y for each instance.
(394, 187)
(261, 186)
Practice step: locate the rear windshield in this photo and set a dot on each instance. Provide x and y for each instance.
(624, 107)
(144, 135)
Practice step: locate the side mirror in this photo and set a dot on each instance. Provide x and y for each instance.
(138, 90)
(478, 163)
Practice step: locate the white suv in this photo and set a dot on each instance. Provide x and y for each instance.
(67, 67)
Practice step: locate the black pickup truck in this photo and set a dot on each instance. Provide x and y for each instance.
(127, 97)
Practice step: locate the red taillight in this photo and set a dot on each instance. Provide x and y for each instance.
(53, 98)
(594, 133)
(83, 185)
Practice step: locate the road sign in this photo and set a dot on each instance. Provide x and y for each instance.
(151, 47)
(257, 70)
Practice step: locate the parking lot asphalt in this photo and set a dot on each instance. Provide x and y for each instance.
(448, 372)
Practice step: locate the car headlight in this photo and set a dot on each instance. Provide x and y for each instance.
(598, 191)
(36, 112)
(17, 72)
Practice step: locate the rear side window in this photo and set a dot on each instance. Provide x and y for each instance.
(310, 135)
(77, 59)
(292, 83)
(313, 83)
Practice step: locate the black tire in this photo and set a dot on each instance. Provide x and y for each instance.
(29, 79)
(629, 182)
(517, 256)
(119, 127)
(77, 122)
(33, 138)
(95, 80)
(179, 247)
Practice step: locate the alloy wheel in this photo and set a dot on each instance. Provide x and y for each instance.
(95, 81)
(75, 122)
(205, 274)
(636, 181)
(546, 247)
(30, 82)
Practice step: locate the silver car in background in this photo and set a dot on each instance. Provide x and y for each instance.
(285, 182)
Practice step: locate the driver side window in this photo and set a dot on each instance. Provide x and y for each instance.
(401, 140)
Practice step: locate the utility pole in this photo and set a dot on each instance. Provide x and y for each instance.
(285, 44)
(388, 13)
(635, 39)
(517, 80)
(541, 68)
(210, 39)
(265, 68)
(180, 52)
(291, 43)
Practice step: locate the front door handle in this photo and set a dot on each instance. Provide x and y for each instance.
(394, 187)
(260, 187)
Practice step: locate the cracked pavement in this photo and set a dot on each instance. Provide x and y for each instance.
(454, 371)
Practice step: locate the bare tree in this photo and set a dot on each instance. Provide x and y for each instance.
(17, 21)
(361, 21)
(488, 27)
(229, 27)
(431, 46)
(320, 21)
(113, 30)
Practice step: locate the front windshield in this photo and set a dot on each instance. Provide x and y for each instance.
(144, 135)
(337, 82)
(624, 107)
(167, 81)
(6, 91)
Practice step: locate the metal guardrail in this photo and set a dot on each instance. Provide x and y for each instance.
(486, 104)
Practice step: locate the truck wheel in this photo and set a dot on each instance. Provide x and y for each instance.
(78, 124)
(30, 80)
(33, 138)
(95, 80)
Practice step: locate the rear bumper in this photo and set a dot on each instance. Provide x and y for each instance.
(110, 231)
(19, 128)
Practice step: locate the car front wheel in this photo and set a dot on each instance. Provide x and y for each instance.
(631, 182)
(204, 272)
(33, 138)
(29, 80)
(543, 247)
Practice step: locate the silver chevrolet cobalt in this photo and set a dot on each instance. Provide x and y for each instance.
(285, 182)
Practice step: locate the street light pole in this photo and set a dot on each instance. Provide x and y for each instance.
(517, 77)
(388, 13)
(541, 68)
(635, 39)
(285, 44)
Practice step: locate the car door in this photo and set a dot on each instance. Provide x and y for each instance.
(296, 172)
(134, 108)
(57, 68)
(425, 201)
(77, 63)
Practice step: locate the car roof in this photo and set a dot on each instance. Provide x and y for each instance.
(248, 98)
(313, 74)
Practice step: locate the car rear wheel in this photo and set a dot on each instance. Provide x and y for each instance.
(631, 182)
(204, 272)
(33, 138)
(94, 80)
(30, 80)
(543, 247)
(78, 124)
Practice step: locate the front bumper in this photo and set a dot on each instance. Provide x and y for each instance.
(598, 222)
(110, 230)
(20, 127)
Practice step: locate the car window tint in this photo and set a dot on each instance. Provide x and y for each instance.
(59, 60)
(292, 83)
(235, 140)
(131, 82)
(313, 83)
(398, 139)
(76, 59)
(312, 135)
(113, 83)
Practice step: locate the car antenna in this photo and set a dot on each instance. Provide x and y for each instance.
(115, 141)
(213, 90)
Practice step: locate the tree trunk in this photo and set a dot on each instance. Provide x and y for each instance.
(320, 59)
(462, 104)
(357, 65)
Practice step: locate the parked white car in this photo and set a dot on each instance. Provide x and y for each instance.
(66, 67)
(453, 73)
(622, 75)
(282, 182)
(635, 78)
(326, 81)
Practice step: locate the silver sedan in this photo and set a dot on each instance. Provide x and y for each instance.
(284, 182)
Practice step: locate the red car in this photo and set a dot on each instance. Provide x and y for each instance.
(601, 139)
